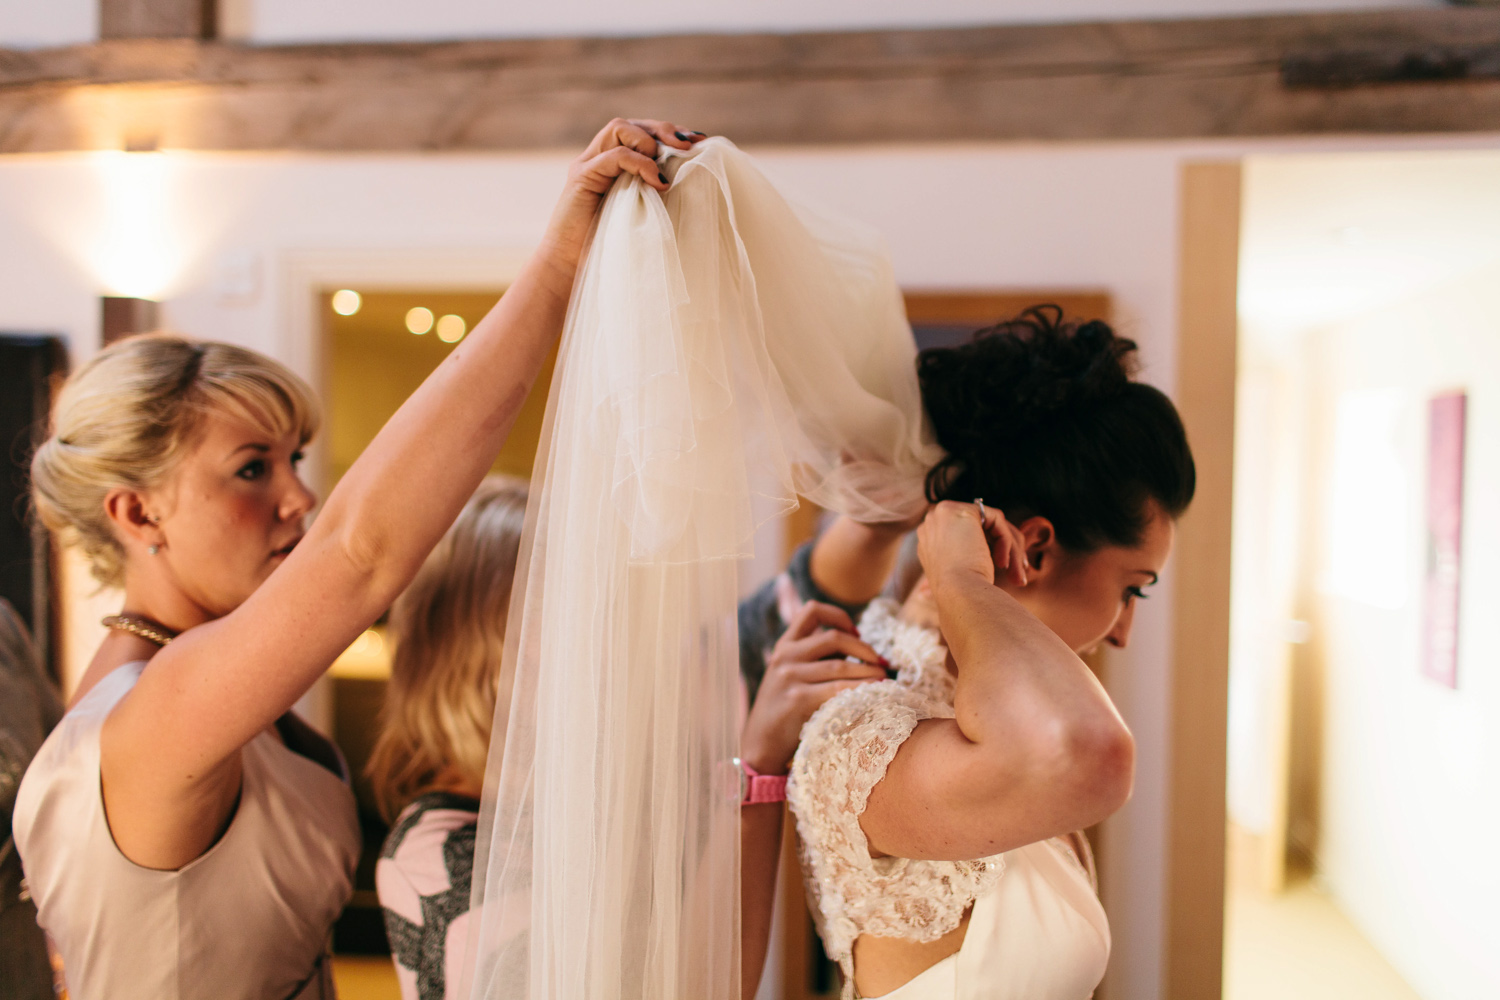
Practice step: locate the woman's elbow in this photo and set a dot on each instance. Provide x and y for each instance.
(1100, 761)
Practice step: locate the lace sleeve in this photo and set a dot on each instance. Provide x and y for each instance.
(846, 747)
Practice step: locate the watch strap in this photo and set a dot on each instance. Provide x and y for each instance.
(757, 788)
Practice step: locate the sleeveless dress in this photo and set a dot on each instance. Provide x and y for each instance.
(1037, 931)
(247, 920)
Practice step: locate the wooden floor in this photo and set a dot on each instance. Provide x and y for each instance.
(1299, 946)
(359, 978)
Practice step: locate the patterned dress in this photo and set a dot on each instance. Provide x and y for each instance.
(423, 878)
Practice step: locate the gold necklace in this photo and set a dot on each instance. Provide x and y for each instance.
(140, 625)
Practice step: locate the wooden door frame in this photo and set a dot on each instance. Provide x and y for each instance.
(1193, 936)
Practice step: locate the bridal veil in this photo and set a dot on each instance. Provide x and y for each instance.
(721, 344)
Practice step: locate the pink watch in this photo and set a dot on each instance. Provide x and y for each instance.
(756, 788)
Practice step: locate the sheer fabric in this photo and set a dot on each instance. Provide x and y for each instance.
(720, 343)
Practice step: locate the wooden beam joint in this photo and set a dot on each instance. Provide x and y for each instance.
(1355, 68)
(158, 19)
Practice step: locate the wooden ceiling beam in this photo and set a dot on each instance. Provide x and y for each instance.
(1122, 80)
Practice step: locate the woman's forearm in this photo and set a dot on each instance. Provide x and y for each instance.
(760, 854)
(406, 488)
(851, 561)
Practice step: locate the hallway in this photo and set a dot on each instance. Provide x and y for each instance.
(1300, 946)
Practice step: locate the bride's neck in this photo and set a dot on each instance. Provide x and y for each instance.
(920, 608)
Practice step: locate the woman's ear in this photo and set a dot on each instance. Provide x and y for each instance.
(1041, 546)
(132, 520)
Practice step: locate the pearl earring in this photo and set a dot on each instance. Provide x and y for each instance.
(154, 549)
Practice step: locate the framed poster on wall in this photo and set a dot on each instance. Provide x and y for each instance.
(1446, 415)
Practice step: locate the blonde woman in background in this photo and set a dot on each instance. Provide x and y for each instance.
(427, 766)
(184, 836)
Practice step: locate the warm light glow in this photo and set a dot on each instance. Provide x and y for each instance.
(451, 329)
(346, 302)
(367, 657)
(140, 225)
(369, 643)
(419, 320)
(133, 253)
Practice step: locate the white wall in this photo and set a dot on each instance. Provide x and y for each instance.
(36, 24)
(1411, 769)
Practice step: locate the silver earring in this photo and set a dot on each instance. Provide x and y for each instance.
(154, 549)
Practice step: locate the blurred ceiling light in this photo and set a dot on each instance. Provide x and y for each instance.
(346, 302)
(451, 329)
(369, 643)
(367, 658)
(133, 251)
(419, 320)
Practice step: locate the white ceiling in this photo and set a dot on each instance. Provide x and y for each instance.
(1328, 236)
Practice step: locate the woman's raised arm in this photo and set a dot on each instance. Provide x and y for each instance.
(1036, 748)
(171, 746)
(851, 561)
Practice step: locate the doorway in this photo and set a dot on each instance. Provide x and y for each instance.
(1362, 706)
(378, 345)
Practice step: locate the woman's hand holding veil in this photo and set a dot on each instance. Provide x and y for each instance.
(624, 146)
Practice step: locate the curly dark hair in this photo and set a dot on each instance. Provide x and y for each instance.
(1043, 417)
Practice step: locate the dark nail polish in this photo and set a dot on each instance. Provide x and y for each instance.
(698, 133)
(683, 135)
(662, 176)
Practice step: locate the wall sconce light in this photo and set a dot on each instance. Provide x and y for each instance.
(124, 316)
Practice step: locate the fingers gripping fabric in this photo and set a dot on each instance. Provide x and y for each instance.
(720, 344)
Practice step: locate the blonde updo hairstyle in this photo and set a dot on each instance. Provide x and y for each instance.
(129, 415)
(448, 634)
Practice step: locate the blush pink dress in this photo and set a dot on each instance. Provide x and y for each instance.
(248, 920)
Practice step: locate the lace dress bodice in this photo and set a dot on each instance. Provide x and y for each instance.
(846, 748)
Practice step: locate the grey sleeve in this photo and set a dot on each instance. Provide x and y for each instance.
(760, 618)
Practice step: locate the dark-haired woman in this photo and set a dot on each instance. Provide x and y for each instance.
(937, 811)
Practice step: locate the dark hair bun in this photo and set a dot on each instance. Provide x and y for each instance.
(1043, 417)
(1018, 374)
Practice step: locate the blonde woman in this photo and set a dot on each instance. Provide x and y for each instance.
(427, 767)
(183, 835)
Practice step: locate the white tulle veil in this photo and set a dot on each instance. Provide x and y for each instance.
(720, 343)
